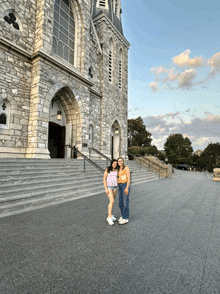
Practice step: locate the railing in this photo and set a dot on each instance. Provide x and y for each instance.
(99, 153)
(150, 164)
(75, 150)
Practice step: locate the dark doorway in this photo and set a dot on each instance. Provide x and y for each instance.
(56, 140)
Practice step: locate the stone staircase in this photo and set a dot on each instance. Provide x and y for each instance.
(28, 184)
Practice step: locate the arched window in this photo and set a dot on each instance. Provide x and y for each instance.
(4, 114)
(91, 72)
(120, 70)
(110, 61)
(64, 30)
(91, 134)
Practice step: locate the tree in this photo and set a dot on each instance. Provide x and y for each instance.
(209, 156)
(137, 133)
(178, 149)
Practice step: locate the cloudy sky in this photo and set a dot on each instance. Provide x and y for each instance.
(174, 67)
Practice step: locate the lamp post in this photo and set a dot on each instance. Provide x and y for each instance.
(166, 159)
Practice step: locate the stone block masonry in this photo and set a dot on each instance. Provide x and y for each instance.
(35, 75)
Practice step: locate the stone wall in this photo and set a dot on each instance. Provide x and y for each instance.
(32, 75)
(114, 99)
(24, 11)
(15, 85)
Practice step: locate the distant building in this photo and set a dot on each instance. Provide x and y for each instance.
(198, 152)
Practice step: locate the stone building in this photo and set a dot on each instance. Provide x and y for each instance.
(63, 78)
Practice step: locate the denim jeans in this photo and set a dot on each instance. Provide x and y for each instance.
(123, 200)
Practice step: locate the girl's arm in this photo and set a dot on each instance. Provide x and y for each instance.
(104, 181)
(129, 179)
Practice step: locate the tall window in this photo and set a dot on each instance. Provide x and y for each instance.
(4, 114)
(110, 61)
(120, 70)
(116, 7)
(64, 30)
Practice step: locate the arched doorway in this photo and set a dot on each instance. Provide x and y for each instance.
(115, 140)
(65, 125)
(57, 130)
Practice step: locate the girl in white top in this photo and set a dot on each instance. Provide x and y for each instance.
(110, 181)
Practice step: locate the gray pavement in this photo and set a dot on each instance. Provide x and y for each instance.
(170, 245)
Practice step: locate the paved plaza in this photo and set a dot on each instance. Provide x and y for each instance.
(170, 245)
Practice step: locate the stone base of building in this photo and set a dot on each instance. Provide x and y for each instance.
(6, 152)
(37, 153)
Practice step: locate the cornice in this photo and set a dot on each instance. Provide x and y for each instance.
(96, 93)
(68, 69)
(15, 48)
(103, 18)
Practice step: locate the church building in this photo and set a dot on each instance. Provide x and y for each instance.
(63, 78)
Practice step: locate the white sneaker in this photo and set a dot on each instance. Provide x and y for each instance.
(123, 221)
(114, 218)
(120, 219)
(110, 221)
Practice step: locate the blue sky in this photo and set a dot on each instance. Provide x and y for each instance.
(174, 68)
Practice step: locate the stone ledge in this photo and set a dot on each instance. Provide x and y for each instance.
(58, 63)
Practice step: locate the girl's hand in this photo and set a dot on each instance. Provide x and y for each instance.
(106, 191)
(126, 191)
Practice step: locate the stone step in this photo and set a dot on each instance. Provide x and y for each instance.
(30, 202)
(17, 195)
(24, 186)
(32, 184)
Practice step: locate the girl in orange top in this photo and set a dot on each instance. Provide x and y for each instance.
(123, 190)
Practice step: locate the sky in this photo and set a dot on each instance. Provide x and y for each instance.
(174, 68)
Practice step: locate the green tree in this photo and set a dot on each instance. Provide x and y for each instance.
(178, 149)
(209, 156)
(137, 133)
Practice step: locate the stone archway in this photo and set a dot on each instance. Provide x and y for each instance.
(64, 123)
(115, 140)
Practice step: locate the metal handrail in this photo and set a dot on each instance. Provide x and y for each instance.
(100, 153)
(74, 149)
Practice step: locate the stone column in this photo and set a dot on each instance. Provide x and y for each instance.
(37, 146)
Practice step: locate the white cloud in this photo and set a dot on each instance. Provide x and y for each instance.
(199, 130)
(214, 63)
(183, 60)
(160, 70)
(185, 78)
(154, 86)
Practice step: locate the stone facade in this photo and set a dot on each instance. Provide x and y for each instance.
(37, 83)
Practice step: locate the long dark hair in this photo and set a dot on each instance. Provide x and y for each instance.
(110, 168)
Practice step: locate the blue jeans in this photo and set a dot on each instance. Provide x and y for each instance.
(123, 200)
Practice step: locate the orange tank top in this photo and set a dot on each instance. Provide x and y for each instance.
(122, 177)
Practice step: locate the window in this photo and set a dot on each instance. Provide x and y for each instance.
(91, 134)
(12, 20)
(64, 30)
(116, 7)
(4, 114)
(91, 72)
(120, 70)
(102, 3)
(110, 61)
